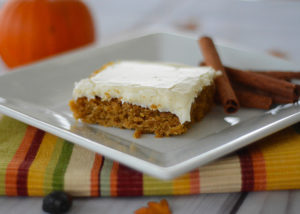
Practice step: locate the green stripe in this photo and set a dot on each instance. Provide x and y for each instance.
(61, 167)
(154, 186)
(11, 135)
(105, 177)
(51, 166)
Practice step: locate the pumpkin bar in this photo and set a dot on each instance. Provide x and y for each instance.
(159, 98)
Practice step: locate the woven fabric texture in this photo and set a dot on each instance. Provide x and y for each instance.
(34, 163)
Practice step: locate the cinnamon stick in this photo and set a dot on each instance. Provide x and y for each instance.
(250, 99)
(281, 75)
(263, 82)
(285, 75)
(289, 76)
(276, 99)
(281, 100)
(298, 90)
(224, 88)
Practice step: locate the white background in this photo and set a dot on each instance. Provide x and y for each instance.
(261, 25)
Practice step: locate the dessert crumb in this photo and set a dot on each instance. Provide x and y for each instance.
(137, 134)
(107, 95)
(154, 107)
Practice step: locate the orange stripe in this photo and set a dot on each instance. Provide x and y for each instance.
(259, 170)
(13, 166)
(114, 179)
(181, 185)
(195, 182)
(95, 175)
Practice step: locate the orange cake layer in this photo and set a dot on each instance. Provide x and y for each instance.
(115, 113)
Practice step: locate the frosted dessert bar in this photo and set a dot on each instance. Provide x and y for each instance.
(159, 98)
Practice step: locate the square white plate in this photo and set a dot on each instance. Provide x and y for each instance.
(39, 95)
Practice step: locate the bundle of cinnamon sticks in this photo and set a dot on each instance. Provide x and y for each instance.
(252, 89)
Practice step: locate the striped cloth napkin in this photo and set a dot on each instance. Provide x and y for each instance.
(34, 163)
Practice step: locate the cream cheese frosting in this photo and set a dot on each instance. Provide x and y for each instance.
(168, 87)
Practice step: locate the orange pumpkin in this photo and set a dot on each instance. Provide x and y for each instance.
(34, 29)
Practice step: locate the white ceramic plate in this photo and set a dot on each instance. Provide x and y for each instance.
(39, 95)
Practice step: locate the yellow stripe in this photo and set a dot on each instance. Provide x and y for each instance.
(221, 176)
(48, 176)
(77, 179)
(153, 186)
(38, 167)
(181, 185)
(282, 160)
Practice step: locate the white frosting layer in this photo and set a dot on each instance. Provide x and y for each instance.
(171, 88)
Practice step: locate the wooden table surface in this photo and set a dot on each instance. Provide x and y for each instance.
(269, 26)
